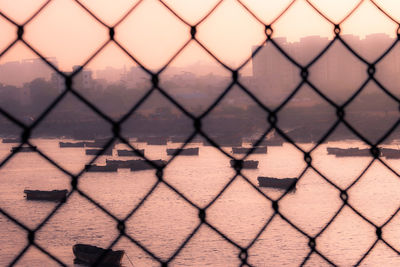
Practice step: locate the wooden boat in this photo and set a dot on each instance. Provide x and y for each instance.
(120, 163)
(94, 144)
(184, 151)
(100, 168)
(134, 164)
(245, 150)
(390, 153)
(280, 183)
(333, 150)
(276, 141)
(91, 255)
(71, 144)
(129, 153)
(100, 143)
(141, 165)
(54, 195)
(11, 140)
(247, 164)
(24, 149)
(349, 152)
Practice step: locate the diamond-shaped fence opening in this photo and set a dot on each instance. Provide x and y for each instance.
(273, 147)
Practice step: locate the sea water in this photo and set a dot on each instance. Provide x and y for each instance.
(165, 220)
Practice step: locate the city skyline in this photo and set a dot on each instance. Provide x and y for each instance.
(229, 31)
(303, 51)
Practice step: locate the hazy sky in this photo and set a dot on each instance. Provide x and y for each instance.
(65, 31)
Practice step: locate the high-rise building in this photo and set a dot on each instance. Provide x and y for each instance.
(337, 73)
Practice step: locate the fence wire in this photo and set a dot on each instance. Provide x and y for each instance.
(272, 116)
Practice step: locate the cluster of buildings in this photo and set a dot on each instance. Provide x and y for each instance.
(337, 71)
(17, 73)
(16, 78)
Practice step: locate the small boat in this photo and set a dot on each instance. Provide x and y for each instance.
(183, 151)
(90, 255)
(71, 144)
(134, 164)
(120, 163)
(333, 150)
(245, 150)
(141, 165)
(391, 153)
(247, 164)
(93, 144)
(100, 168)
(100, 143)
(54, 195)
(280, 183)
(11, 140)
(24, 149)
(349, 152)
(129, 153)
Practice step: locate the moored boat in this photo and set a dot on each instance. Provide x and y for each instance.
(91, 255)
(141, 165)
(24, 149)
(100, 143)
(54, 195)
(280, 183)
(129, 153)
(71, 144)
(93, 144)
(101, 168)
(245, 150)
(390, 153)
(134, 165)
(10, 140)
(349, 152)
(247, 164)
(333, 150)
(184, 151)
(120, 163)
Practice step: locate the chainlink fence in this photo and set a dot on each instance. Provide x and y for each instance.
(271, 115)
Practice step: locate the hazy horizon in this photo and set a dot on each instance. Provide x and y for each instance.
(303, 51)
(229, 31)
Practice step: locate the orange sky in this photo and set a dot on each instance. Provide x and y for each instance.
(65, 31)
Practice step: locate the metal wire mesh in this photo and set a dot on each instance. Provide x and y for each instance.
(272, 115)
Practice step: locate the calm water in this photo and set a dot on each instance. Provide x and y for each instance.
(165, 220)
